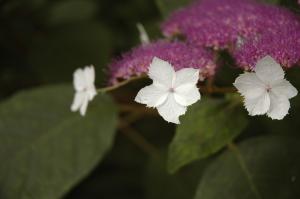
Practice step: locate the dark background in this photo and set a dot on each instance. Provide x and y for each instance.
(44, 41)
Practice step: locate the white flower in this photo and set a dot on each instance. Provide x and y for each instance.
(266, 91)
(144, 38)
(83, 82)
(171, 92)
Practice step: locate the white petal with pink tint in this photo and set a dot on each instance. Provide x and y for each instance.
(265, 90)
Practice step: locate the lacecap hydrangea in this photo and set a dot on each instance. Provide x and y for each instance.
(177, 53)
(223, 24)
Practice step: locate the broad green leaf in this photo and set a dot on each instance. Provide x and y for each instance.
(259, 168)
(167, 6)
(206, 128)
(55, 56)
(71, 11)
(44, 148)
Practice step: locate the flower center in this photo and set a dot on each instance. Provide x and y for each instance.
(268, 88)
(171, 90)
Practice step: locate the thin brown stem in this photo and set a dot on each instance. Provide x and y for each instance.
(120, 84)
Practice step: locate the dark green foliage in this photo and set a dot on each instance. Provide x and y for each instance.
(160, 184)
(206, 128)
(263, 167)
(71, 11)
(167, 6)
(44, 148)
(69, 47)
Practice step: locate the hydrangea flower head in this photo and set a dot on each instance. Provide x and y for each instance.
(85, 89)
(177, 53)
(219, 23)
(171, 92)
(266, 91)
(282, 44)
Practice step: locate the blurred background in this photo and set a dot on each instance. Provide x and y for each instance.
(44, 41)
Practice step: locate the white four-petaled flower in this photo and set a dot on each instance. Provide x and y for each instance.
(85, 89)
(265, 90)
(171, 92)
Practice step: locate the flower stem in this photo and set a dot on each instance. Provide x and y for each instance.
(120, 84)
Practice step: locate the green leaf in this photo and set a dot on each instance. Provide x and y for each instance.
(260, 168)
(167, 6)
(55, 56)
(206, 128)
(71, 11)
(44, 148)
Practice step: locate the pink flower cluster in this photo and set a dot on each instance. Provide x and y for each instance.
(283, 45)
(249, 30)
(252, 29)
(179, 54)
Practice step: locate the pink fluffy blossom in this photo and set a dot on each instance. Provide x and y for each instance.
(179, 54)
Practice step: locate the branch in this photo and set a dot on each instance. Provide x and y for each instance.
(120, 84)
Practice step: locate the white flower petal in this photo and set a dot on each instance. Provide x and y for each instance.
(144, 38)
(187, 94)
(161, 72)
(279, 108)
(84, 105)
(89, 75)
(170, 110)
(268, 70)
(259, 105)
(79, 80)
(85, 89)
(152, 95)
(91, 93)
(249, 85)
(186, 76)
(77, 101)
(285, 88)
